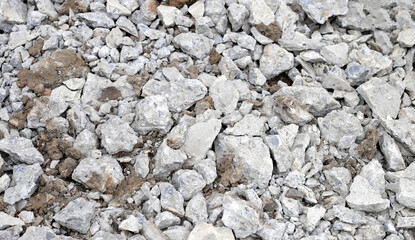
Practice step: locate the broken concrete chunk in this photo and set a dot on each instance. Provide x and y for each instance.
(20, 150)
(320, 11)
(117, 136)
(205, 231)
(194, 44)
(382, 98)
(24, 182)
(407, 37)
(338, 124)
(100, 174)
(77, 215)
(188, 183)
(275, 60)
(224, 95)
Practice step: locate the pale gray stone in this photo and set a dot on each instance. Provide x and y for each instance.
(292, 111)
(205, 231)
(200, 137)
(44, 109)
(371, 59)
(20, 150)
(393, 156)
(141, 165)
(12, 12)
(180, 94)
(250, 156)
(188, 183)
(77, 215)
(318, 101)
(117, 136)
(336, 54)
(103, 235)
(339, 178)
(260, 13)
(97, 19)
(240, 216)
(152, 113)
(194, 44)
(170, 199)
(98, 174)
(197, 9)
(403, 131)
(383, 99)
(24, 182)
(38, 232)
(407, 37)
(46, 6)
(314, 215)
(9, 221)
(126, 25)
(27, 216)
(348, 215)
(167, 14)
(21, 37)
(405, 193)
(166, 219)
(272, 229)
(250, 125)
(357, 74)
(86, 141)
(320, 11)
(114, 7)
(4, 182)
(152, 232)
(275, 60)
(215, 10)
(237, 14)
(224, 95)
(168, 159)
(206, 168)
(338, 124)
(177, 232)
(196, 209)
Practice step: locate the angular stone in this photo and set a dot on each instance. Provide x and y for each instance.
(152, 113)
(100, 174)
(141, 165)
(197, 9)
(237, 14)
(97, 19)
(240, 216)
(152, 232)
(9, 221)
(260, 13)
(393, 156)
(250, 125)
(406, 222)
(12, 12)
(338, 124)
(318, 101)
(371, 59)
(196, 209)
(314, 214)
(100, 235)
(194, 44)
(77, 215)
(407, 37)
(249, 154)
(336, 54)
(114, 7)
(215, 10)
(403, 131)
(117, 136)
(166, 219)
(275, 60)
(200, 137)
(224, 95)
(86, 141)
(131, 223)
(229, 69)
(20, 150)
(357, 74)
(348, 215)
(292, 111)
(205, 231)
(374, 92)
(180, 94)
(24, 182)
(405, 194)
(320, 11)
(170, 199)
(339, 178)
(168, 159)
(44, 109)
(167, 15)
(46, 6)
(272, 229)
(188, 183)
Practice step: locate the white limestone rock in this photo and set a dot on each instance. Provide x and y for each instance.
(77, 215)
(20, 150)
(194, 44)
(205, 231)
(338, 124)
(117, 136)
(224, 95)
(320, 11)
(275, 60)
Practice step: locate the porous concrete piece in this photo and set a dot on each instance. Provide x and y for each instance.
(77, 215)
(20, 150)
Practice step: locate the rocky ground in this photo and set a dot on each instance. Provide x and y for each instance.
(208, 119)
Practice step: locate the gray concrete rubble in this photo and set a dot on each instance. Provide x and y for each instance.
(207, 119)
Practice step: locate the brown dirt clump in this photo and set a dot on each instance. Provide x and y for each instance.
(214, 57)
(203, 105)
(36, 49)
(193, 71)
(66, 167)
(50, 72)
(272, 31)
(18, 120)
(138, 81)
(109, 93)
(230, 174)
(77, 6)
(181, 3)
(367, 148)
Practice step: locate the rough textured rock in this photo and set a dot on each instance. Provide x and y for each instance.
(77, 215)
(188, 183)
(194, 44)
(406, 37)
(374, 92)
(249, 154)
(205, 231)
(318, 101)
(338, 124)
(224, 95)
(239, 216)
(320, 11)
(20, 150)
(100, 174)
(117, 136)
(275, 60)
(24, 182)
